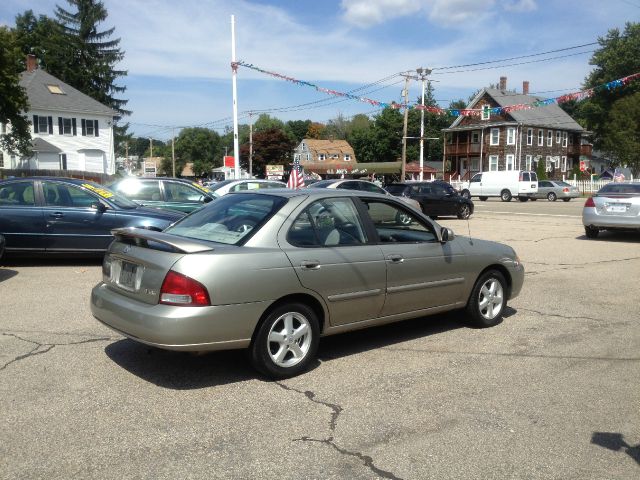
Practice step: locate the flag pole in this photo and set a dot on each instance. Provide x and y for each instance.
(234, 74)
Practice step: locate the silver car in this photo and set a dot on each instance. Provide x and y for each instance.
(616, 206)
(555, 189)
(226, 186)
(274, 270)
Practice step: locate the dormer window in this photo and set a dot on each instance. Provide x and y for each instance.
(347, 157)
(55, 89)
(322, 157)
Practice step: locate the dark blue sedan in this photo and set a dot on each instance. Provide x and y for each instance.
(65, 215)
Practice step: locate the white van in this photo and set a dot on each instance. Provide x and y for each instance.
(505, 184)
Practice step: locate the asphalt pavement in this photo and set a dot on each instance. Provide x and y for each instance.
(550, 393)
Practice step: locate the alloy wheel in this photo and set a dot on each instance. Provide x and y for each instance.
(289, 339)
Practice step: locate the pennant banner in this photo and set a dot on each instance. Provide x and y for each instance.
(466, 112)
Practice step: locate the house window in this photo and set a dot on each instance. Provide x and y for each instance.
(322, 157)
(67, 126)
(347, 157)
(89, 128)
(564, 163)
(564, 139)
(334, 156)
(486, 112)
(558, 136)
(540, 138)
(495, 136)
(511, 136)
(308, 157)
(529, 136)
(42, 124)
(493, 163)
(528, 161)
(475, 164)
(570, 139)
(296, 156)
(510, 162)
(548, 164)
(549, 138)
(475, 136)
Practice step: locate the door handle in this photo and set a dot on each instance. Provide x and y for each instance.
(395, 258)
(310, 264)
(56, 215)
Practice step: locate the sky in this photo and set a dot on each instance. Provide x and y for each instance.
(178, 53)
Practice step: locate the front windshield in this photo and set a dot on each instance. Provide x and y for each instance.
(109, 195)
(219, 185)
(231, 219)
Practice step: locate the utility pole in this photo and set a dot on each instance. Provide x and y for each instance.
(126, 156)
(150, 147)
(405, 94)
(422, 73)
(234, 75)
(250, 146)
(173, 152)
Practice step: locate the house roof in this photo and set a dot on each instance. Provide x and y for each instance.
(37, 82)
(549, 116)
(329, 146)
(40, 145)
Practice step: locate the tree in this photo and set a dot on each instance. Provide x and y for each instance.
(298, 129)
(618, 56)
(315, 130)
(336, 128)
(13, 98)
(267, 122)
(200, 146)
(387, 129)
(270, 147)
(622, 133)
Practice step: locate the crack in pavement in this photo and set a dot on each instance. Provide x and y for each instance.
(583, 264)
(47, 347)
(336, 411)
(566, 317)
(536, 241)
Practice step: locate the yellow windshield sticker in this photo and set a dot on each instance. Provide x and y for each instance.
(100, 191)
(200, 187)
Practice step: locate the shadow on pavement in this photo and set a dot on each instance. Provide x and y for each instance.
(613, 236)
(6, 274)
(51, 261)
(616, 442)
(185, 371)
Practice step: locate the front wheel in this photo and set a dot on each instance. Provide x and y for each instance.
(466, 194)
(488, 299)
(505, 196)
(566, 199)
(464, 211)
(286, 341)
(552, 197)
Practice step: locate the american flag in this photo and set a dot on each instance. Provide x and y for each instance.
(296, 179)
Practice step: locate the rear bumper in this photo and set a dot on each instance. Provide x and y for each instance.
(169, 327)
(591, 218)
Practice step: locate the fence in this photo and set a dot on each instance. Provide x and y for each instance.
(92, 176)
(590, 186)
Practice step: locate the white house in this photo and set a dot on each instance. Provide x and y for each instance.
(70, 130)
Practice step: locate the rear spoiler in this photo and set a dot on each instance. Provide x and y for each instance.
(142, 236)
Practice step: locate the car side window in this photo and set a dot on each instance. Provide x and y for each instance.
(476, 178)
(140, 191)
(328, 222)
(396, 225)
(371, 187)
(178, 192)
(543, 183)
(526, 177)
(18, 194)
(61, 195)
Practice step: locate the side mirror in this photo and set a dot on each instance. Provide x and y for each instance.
(446, 235)
(99, 207)
(207, 199)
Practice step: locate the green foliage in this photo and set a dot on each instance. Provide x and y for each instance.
(622, 132)
(387, 131)
(541, 170)
(298, 129)
(267, 122)
(200, 146)
(13, 98)
(270, 147)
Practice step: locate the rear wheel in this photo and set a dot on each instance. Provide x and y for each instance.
(534, 199)
(505, 195)
(483, 199)
(552, 197)
(464, 211)
(591, 232)
(286, 341)
(488, 299)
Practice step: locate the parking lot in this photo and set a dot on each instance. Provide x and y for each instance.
(551, 392)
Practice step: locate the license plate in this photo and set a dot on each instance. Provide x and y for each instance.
(617, 208)
(128, 274)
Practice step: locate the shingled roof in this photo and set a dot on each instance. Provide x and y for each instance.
(39, 85)
(329, 147)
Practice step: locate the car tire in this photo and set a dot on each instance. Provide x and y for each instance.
(466, 194)
(566, 199)
(505, 195)
(488, 299)
(523, 199)
(464, 211)
(483, 199)
(591, 232)
(286, 341)
(552, 197)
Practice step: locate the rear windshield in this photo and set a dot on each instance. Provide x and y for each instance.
(396, 189)
(624, 188)
(231, 219)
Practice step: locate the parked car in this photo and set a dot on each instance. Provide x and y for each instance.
(505, 184)
(436, 198)
(172, 193)
(226, 186)
(64, 215)
(360, 186)
(555, 189)
(315, 262)
(616, 206)
(1, 245)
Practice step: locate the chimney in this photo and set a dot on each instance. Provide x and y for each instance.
(503, 83)
(525, 87)
(32, 63)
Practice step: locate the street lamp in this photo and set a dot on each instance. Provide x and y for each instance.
(422, 73)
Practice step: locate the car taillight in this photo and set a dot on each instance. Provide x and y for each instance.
(590, 203)
(178, 289)
(565, 190)
(521, 178)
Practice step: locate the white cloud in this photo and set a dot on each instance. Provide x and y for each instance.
(521, 6)
(365, 13)
(459, 12)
